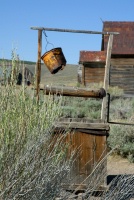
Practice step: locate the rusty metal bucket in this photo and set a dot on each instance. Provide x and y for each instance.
(54, 60)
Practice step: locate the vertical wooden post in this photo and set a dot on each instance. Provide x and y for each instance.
(38, 65)
(106, 78)
(83, 75)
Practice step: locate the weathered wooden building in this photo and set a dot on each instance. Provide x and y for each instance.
(18, 74)
(93, 66)
(122, 62)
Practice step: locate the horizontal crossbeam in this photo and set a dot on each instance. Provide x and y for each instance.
(75, 92)
(73, 31)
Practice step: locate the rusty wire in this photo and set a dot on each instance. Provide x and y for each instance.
(47, 42)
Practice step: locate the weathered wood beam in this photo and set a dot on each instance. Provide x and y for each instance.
(74, 92)
(91, 126)
(83, 75)
(108, 62)
(73, 31)
(106, 78)
(80, 120)
(38, 65)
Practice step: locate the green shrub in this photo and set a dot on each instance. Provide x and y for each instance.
(116, 91)
(29, 167)
(122, 111)
(122, 137)
(81, 108)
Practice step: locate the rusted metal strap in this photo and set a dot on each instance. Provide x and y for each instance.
(87, 131)
(94, 132)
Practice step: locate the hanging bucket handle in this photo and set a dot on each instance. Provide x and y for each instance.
(47, 42)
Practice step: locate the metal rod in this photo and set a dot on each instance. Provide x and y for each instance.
(121, 123)
(108, 107)
(108, 112)
(74, 31)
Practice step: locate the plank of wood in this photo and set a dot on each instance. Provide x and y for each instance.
(122, 67)
(91, 126)
(122, 76)
(94, 76)
(123, 80)
(122, 61)
(81, 120)
(83, 75)
(125, 72)
(124, 83)
(93, 79)
(75, 92)
(95, 70)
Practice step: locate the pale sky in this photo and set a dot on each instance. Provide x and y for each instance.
(17, 16)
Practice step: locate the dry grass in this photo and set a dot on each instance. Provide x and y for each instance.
(29, 167)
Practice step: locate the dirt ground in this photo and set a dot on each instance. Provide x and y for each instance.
(117, 165)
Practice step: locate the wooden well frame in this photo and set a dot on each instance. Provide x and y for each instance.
(88, 135)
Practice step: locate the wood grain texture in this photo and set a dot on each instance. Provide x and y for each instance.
(75, 92)
(88, 150)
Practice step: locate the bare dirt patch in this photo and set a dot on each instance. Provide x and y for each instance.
(117, 165)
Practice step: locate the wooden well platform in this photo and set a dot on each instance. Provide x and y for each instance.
(87, 140)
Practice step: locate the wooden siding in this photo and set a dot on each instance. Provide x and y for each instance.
(87, 141)
(88, 150)
(122, 74)
(94, 73)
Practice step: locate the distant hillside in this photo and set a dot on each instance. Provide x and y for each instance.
(67, 76)
(10, 61)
